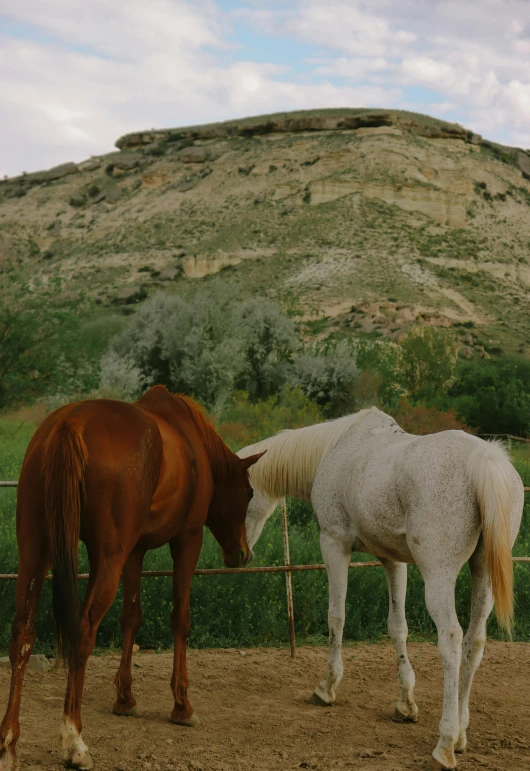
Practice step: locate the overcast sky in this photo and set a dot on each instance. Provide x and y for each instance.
(76, 75)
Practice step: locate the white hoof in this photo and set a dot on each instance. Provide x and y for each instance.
(76, 754)
(8, 761)
(461, 744)
(405, 714)
(321, 698)
(443, 760)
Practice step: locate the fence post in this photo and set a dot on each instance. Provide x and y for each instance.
(288, 583)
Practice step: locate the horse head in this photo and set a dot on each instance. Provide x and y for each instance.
(228, 510)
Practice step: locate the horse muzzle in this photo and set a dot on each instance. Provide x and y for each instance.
(238, 558)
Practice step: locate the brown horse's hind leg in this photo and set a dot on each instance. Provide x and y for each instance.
(101, 590)
(29, 585)
(131, 619)
(185, 552)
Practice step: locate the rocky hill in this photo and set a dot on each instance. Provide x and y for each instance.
(361, 219)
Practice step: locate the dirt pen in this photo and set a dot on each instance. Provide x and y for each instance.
(254, 711)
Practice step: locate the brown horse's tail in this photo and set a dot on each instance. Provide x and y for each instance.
(490, 472)
(65, 457)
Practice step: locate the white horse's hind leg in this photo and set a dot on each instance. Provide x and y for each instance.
(475, 639)
(396, 576)
(336, 556)
(440, 599)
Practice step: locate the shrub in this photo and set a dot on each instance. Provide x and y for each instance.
(120, 377)
(421, 367)
(419, 419)
(38, 352)
(493, 395)
(244, 422)
(210, 345)
(329, 377)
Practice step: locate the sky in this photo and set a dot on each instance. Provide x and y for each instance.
(76, 75)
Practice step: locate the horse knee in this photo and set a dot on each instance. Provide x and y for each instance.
(478, 642)
(397, 629)
(450, 640)
(22, 638)
(132, 618)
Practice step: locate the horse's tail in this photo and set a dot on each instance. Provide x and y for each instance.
(490, 471)
(65, 457)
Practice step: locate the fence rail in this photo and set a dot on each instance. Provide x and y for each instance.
(288, 569)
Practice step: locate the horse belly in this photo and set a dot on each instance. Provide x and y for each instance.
(379, 522)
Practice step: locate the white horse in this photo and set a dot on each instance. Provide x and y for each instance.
(436, 501)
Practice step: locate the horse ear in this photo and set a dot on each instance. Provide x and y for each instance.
(248, 462)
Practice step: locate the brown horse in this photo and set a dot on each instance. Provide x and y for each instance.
(123, 478)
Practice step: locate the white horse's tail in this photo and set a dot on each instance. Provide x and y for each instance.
(489, 470)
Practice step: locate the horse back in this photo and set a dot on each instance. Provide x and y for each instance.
(141, 474)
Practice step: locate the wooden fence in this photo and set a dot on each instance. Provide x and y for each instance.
(286, 568)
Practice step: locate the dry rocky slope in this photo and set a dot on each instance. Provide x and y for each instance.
(361, 219)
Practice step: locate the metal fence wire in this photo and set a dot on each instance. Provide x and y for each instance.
(286, 568)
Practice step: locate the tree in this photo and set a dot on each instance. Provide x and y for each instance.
(208, 345)
(419, 419)
(421, 367)
(37, 352)
(426, 363)
(328, 376)
(493, 395)
(269, 340)
(243, 422)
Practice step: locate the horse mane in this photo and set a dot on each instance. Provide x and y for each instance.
(294, 455)
(223, 462)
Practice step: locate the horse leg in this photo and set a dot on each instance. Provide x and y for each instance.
(440, 600)
(475, 639)
(396, 577)
(336, 555)
(185, 552)
(101, 590)
(131, 619)
(32, 573)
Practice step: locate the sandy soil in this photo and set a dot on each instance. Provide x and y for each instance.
(254, 714)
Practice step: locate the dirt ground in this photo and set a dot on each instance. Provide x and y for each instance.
(254, 712)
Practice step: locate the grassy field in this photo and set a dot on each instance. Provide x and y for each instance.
(246, 610)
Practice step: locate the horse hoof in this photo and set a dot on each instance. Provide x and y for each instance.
(399, 717)
(190, 721)
(435, 765)
(318, 700)
(8, 761)
(124, 712)
(81, 761)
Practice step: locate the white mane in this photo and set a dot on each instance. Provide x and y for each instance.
(294, 455)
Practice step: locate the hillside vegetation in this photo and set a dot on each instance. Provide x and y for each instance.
(358, 221)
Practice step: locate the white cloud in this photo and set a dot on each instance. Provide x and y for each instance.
(476, 54)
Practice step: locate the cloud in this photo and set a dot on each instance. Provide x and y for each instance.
(475, 55)
(75, 77)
